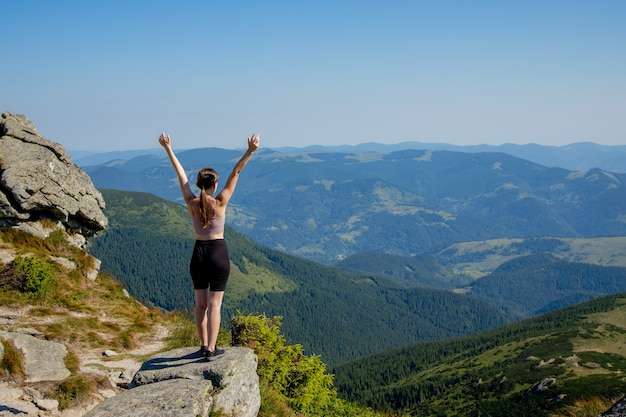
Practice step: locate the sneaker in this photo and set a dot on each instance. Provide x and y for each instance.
(211, 354)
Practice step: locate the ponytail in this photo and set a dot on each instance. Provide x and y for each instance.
(207, 177)
(207, 208)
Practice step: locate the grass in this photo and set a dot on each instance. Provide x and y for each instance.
(487, 255)
(12, 364)
(75, 390)
(77, 312)
(586, 408)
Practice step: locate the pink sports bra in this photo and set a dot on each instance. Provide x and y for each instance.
(216, 227)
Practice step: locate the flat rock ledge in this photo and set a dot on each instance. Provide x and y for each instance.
(43, 359)
(181, 383)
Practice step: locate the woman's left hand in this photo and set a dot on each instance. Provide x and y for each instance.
(165, 140)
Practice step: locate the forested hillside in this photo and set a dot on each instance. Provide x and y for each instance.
(522, 286)
(413, 271)
(536, 367)
(534, 284)
(335, 314)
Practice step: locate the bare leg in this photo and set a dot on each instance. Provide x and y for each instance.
(200, 313)
(215, 317)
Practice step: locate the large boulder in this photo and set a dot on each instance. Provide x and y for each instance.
(38, 180)
(182, 383)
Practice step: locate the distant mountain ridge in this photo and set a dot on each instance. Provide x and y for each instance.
(580, 156)
(326, 206)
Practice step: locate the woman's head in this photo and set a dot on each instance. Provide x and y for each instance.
(207, 178)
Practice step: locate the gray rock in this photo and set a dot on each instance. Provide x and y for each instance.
(170, 398)
(43, 359)
(28, 330)
(39, 180)
(46, 404)
(92, 273)
(9, 315)
(7, 255)
(38, 229)
(543, 385)
(64, 262)
(109, 353)
(33, 392)
(183, 383)
(19, 408)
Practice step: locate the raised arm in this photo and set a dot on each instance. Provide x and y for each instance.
(166, 142)
(231, 182)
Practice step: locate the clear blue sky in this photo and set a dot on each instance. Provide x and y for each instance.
(111, 75)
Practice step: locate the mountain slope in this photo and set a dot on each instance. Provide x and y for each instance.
(479, 258)
(414, 271)
(579, 353)
(533, 284)
(523, 285)
(338, 315)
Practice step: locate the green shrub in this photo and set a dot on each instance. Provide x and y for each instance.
(38, 275)
(285, 372)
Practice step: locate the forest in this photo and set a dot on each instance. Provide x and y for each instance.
(492, 373)
(332, 313)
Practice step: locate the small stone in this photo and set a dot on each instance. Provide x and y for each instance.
(9, 315)
(29, 331)
(46, 404)
(32, 392)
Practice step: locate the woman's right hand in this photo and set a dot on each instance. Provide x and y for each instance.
(253, 142)
(165, 140)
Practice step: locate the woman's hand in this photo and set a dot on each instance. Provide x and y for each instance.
(165, 140)
(253, 142)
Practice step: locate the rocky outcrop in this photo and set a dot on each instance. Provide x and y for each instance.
(177, 383)
(181, 383)
(38, 180)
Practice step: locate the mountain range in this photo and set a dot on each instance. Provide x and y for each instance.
(326, 206)
(580, 156)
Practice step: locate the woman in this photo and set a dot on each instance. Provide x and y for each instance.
(210, 265)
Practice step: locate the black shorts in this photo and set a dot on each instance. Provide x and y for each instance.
(210, 265)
